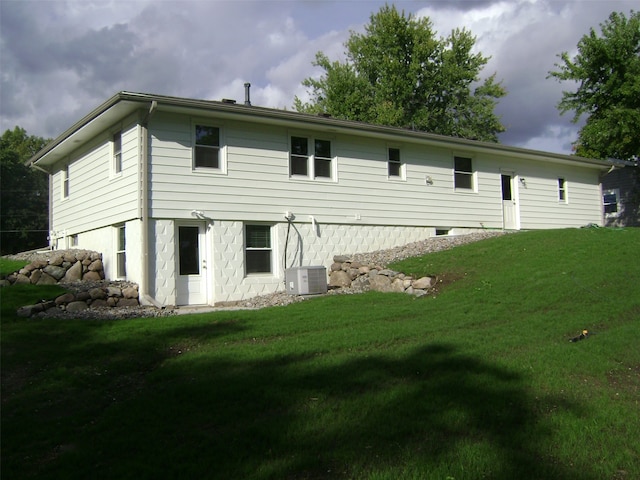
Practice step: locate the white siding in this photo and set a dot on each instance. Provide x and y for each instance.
(257, 186)
(97, 197)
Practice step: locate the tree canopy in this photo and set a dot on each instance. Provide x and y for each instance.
(398, 73)
(606, 71)
(24, 196)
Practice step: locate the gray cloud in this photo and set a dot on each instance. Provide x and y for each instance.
(60, 59)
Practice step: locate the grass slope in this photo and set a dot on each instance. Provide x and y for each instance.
(479, 381)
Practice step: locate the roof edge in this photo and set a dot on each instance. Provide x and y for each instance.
(241, 109)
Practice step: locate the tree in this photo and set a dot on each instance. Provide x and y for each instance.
(24, 196)
(399, 74)
(607, 72)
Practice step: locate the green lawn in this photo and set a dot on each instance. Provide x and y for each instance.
(479, 381)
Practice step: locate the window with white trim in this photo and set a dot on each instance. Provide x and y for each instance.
(610, 201)
(206, 150)
(463, 173)
(116, 143)
(258, 252)
(65, 182)
(121, 256)
(394, 165)
(310, 157)
(562, 190)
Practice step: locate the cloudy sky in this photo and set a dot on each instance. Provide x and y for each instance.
(60, 59)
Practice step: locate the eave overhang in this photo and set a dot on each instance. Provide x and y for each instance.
(126, 103)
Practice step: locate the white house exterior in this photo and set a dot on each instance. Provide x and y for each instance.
(201, 202)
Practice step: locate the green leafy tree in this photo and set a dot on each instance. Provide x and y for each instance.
(24, 196)
(399, 74)
(606, 71)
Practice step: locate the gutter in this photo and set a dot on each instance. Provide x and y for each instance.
(143, 206)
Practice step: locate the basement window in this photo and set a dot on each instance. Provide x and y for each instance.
(121, 256)
(258, 249)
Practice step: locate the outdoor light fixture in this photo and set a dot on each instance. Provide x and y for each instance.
(523, 181)
(428, 180)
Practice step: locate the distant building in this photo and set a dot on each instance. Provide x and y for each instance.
(621, 197)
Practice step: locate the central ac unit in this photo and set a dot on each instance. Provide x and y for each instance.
(306, 280)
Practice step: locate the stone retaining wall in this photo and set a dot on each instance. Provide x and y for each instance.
(95, 297)
(66, 266)
(82, 273)
(348, 273)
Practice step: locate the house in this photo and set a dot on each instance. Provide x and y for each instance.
(621, 195)
(203, 201)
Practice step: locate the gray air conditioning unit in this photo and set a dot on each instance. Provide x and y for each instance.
(306, 280)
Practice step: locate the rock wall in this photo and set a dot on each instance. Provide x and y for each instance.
(82, 273)
(94, 297)
(346, 272)
(66, 266)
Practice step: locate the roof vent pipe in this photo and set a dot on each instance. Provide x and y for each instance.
(247, 100)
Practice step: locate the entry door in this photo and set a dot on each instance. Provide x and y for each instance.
(191, 285)
(509, 205)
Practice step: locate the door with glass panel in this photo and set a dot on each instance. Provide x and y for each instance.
(191, 281)
(509, 203)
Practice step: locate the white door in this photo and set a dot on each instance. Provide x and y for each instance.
(509, 204)
(191, 283)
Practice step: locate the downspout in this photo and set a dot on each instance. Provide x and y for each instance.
(143, 208)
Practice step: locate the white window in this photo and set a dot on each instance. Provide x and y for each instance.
(121, 258)
(394, 165)
(562, 190)
(610, 200)
(258, 253)
(463, 173)
(206, 150)
(310, 157)
(65, 182)
(116, 143)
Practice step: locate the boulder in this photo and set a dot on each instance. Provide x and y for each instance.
(114, 291)
(22, 279)
(35, 276)
(96, 266)
(46, 279)
(339, 279)
(55, 271)
(128, 302)
(83, 296)
(65, 298)
(56, 261)
(380, 283)
(130, 292)
(397, 285)
(98, 303)
(74, 274)
(423, 283)
(97, 294)
(77, 306)
(91, 277)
